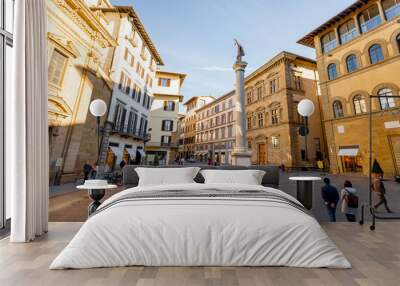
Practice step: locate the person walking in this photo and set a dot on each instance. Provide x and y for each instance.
(379, 188)
(330, 195)
(87, 168)
(349, 201)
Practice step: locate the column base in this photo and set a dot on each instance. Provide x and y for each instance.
(241, 157)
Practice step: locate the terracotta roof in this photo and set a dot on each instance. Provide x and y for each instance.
(308, 40)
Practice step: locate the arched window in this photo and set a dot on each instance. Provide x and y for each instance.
(375, 54)
(385, 101)
(351, 63)
(360, 105)
(337, 109)
(332, 72)
(398, 42)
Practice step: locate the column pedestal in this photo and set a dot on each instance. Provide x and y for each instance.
(241, 157)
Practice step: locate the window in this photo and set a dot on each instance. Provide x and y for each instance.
(140, 70)
(359, 104)
(337, 109)
(230, 116)
(369, 19)
(351, 63)
(391, 8)
(249, 96)
(259, 91)
(223, 133)
(167, 125)
(169, 105)
(385, 101)
(260, 119)
(375, 54)
(165, 140)
(125, 83)
(275, 116)
(275, 142)
(165, 82)
(273, 86)
(248, 123)
(332, 72)
(398, 42)
(6, 66)
(223, 118)
(347, 31)
(329, 42)
(57, 66)
(230, 131)
(297, 82)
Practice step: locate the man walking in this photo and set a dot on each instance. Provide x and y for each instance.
(330, 195)
(379, 188)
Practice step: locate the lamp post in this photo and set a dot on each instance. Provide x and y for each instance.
(305, 108)
(98, 108)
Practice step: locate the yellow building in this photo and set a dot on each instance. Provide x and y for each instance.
(358, 55)
(188, 124)
(164, 117)
(77, 48)
(273, 92)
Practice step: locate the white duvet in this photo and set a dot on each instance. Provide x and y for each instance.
(200, 232)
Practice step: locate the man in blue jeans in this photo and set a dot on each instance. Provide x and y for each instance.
(330, 195)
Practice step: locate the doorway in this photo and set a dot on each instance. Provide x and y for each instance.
(262, 154)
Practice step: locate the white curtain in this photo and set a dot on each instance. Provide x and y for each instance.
(26, 121)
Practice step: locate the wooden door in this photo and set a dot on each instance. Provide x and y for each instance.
(261, 154)
(395, 146)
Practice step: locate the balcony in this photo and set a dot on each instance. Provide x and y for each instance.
(371, 24)
(329, 46)
(392, 12)
(348, 36)
(129, 131)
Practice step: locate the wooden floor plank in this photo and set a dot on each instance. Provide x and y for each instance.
(375, 257)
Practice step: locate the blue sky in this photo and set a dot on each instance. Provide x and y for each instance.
(196, 36)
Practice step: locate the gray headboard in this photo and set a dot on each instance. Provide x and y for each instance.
(270, 179)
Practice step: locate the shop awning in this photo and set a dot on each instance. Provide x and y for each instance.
(348, 152)
(131, 152)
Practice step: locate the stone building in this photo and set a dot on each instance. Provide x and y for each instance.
(188, 124)
(167, 96)
(132, 65)
(78, 43)
(358, 55)
(273, 92)
(215, 137)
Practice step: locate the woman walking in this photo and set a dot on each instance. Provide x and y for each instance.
(349, 201)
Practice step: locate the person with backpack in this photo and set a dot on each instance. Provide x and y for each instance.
(349, 201)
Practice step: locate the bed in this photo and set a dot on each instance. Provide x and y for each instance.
(201, 224)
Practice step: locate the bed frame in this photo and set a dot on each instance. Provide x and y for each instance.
(271, 178)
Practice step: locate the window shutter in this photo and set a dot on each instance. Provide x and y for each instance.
(173, 106)
(163, 125)
(172, 126)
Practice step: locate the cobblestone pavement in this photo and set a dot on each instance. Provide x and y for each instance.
(69, 204)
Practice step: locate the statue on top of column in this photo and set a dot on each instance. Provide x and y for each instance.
(240, 51)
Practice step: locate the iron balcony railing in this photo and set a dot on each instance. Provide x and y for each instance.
(129, 130)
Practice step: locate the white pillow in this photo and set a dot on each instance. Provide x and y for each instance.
(166, 176)
(248, 177)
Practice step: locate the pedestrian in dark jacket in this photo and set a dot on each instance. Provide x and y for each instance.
(330, 195)
(87, 168)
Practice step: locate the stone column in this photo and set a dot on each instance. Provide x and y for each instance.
(241, 156)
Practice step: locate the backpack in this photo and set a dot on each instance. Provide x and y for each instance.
(352, 200)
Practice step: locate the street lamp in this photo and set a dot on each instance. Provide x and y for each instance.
(305, 108)
(98, 108)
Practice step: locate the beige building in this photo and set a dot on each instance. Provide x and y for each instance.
(358, 54)
(215, 137)
(78, 45)
(188, 124)
(273, 92)
(164, 117)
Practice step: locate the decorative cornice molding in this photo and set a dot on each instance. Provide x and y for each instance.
(67, 47)
(87, 21)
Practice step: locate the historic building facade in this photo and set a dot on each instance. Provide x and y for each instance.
(188, 124)
(273, 92)
(78, 44)
(132, 66)
(164, 141)
(215, 136)
(358, 55)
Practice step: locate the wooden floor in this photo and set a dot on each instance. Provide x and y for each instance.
(375, 257)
